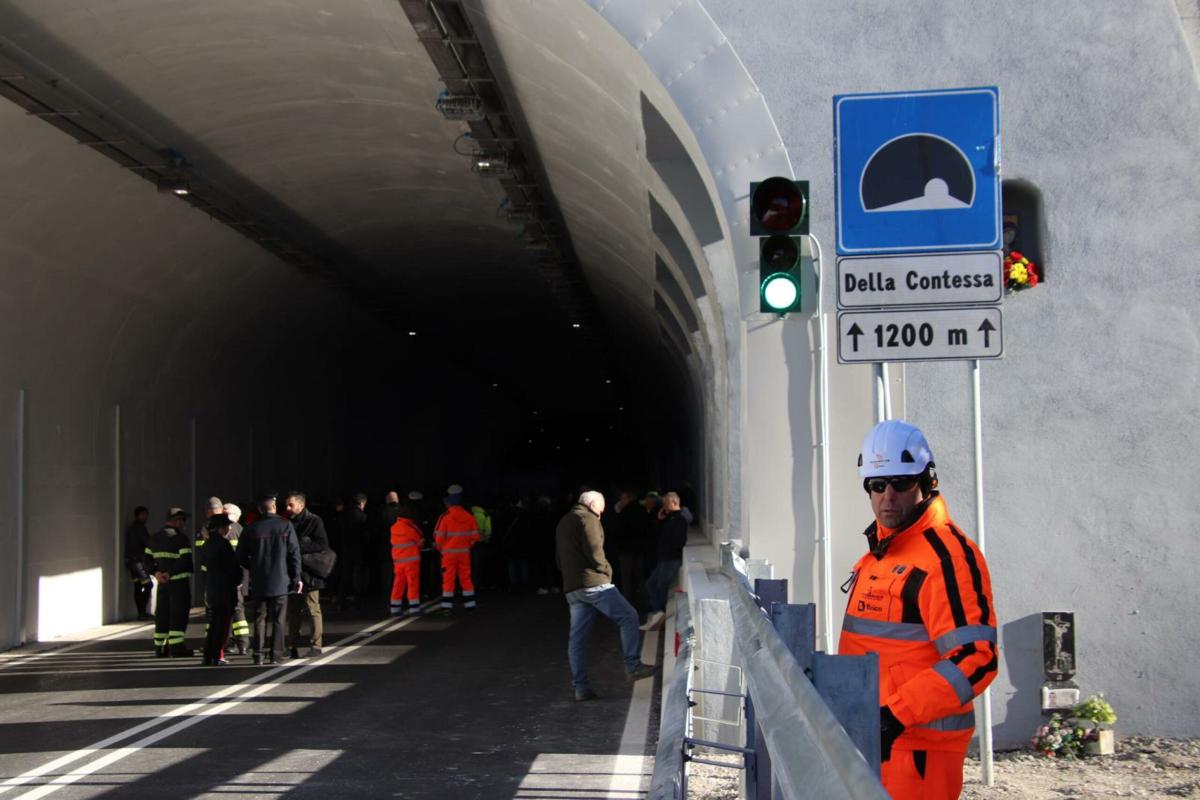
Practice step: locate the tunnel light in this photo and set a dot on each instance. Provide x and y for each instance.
(608, 380)
(620, 408)
(491, 165)
(576, 325)
(176, 186)
(412, 333)
(495, 386)
(461, 107)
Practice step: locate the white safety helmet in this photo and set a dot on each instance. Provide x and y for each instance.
(894, 447)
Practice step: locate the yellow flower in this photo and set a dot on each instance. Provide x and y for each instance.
(1018, 274)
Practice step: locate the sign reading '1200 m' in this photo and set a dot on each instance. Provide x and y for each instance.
(920, 280)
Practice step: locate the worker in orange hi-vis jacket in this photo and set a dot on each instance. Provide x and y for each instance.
(453, 535)
(922, 599)
(406, 563)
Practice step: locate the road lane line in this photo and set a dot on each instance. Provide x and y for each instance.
(630, 764)
(194, 712)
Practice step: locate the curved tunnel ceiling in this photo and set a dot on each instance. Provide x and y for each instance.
(323, 116)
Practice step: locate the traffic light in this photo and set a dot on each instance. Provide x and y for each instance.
(779, 212)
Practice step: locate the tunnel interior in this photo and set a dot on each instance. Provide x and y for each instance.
(338, 302)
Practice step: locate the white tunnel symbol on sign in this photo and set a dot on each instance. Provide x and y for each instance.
(917, 172)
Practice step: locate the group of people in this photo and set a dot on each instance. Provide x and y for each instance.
(271, 570)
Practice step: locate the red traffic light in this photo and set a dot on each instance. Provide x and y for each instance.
(778, 205)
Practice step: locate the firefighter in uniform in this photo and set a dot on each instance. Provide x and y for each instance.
(169, 560)
(406, 563)
(240, 629)
(922, 599)
(456, 530)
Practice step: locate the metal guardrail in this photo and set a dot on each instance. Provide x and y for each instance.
(803, 751)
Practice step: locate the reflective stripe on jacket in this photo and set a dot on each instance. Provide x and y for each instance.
(169, 550)
(924, 604)
(406, 541)
(455, 531)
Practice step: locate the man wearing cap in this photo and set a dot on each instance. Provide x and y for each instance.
(224, 580)
(270, 550)
(921, 598)
(454, 534)
(169, 560)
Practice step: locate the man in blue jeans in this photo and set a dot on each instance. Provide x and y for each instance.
(670, 532)
(588, 586)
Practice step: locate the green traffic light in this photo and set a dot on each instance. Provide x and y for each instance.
(780, 293)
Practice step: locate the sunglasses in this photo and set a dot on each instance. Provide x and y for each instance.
(899, 483)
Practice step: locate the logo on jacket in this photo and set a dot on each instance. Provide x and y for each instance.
(899, 570)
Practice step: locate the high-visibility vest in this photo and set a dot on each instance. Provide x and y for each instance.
(456, 530)
(406, 541)
(484, 522)
(922, 600)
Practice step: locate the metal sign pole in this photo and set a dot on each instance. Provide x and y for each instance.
(824, 536)
(985, 744)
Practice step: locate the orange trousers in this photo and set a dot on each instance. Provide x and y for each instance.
(406, 582)
(457, 567)
(923, 775)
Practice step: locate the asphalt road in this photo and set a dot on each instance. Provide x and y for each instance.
(472, 706)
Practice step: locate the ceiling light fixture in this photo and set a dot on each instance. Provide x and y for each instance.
(461, 107)
(176, 186)
(412, 333)
(491, 165)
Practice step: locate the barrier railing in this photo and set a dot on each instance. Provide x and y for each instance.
(811, 720)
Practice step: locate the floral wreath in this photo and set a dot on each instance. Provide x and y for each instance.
(1019, 272)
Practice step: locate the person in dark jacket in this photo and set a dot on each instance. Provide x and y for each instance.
(316, 562)
(270, 550)
(588, 587)
(671, 534)
(352, 558)
(224, 579)
(136, 537)
(169, 559)
(632, 533)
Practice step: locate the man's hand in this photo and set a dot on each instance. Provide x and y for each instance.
(890, 729)
(162, 577)
(299, 587)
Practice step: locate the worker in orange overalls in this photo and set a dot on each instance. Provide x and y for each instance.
(922, 599)
(406, 563)
(456, 530)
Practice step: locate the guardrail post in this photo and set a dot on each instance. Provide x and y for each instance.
(768, 592)
(840, 680)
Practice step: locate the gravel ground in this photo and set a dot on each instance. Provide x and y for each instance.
(1143, 766)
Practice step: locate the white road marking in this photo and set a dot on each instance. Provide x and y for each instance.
(630, 764)
(191, 713)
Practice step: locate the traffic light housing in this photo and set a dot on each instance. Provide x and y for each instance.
(779, 212)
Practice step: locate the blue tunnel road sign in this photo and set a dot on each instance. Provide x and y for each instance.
(917, 172)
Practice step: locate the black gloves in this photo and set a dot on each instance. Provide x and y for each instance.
(890, 729)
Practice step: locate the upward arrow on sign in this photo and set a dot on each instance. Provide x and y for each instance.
(987, 327)
(854, 333)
